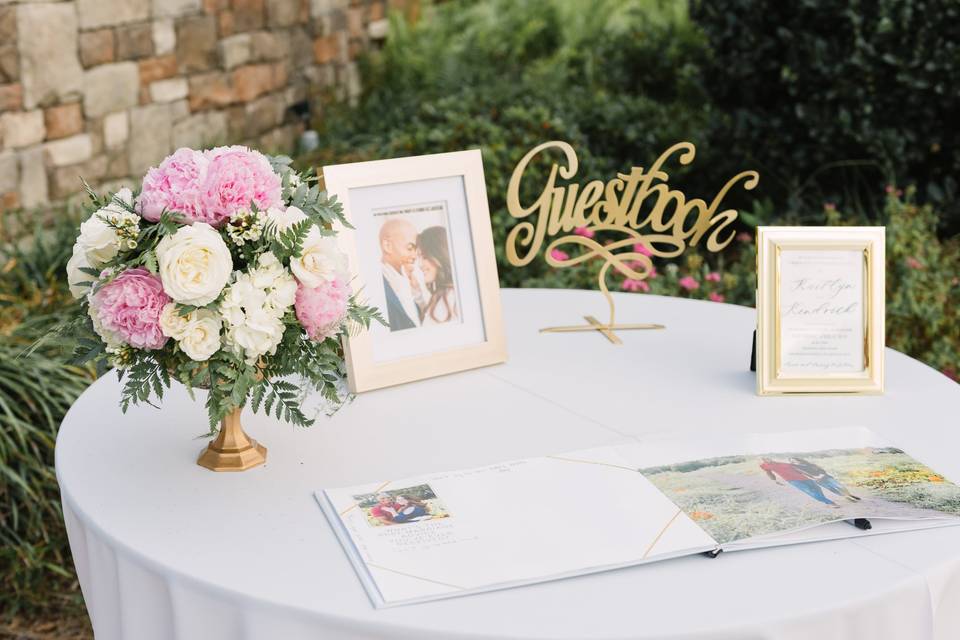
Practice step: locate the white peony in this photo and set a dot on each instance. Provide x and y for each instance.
(280, 287)
(78, 280)
(253, 307)
(195, 264)
(98, 233)
(201, 338)
(258, 336)
(267, 271)
(321, 261)
(282, 294)
(172, 324)
(285, 218)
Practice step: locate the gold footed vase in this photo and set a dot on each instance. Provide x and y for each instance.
(232, 449)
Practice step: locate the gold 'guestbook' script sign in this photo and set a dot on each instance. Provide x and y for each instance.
(664, 228)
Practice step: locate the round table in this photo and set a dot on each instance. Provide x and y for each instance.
(167, 549)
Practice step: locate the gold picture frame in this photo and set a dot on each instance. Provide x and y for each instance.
(820, 310)
(427, 335)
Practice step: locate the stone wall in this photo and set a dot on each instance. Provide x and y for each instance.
(107, 88)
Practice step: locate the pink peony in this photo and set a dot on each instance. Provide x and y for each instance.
(236, 177)
(913, 263)
(209, 186)
(713, 276)
(689, 283)
(716, 297)
(559, 255)
(129, 308)
(642, 249)
(175, 186)
(584, 231)
(635, 285)
(321, 310)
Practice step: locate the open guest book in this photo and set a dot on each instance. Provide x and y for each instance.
(527, 521)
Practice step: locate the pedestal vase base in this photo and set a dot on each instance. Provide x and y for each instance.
(232, 449)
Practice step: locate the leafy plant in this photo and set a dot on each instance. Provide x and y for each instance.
(832, 100)
(36, 389)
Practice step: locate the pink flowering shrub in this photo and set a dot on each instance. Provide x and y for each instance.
(128, 308)
(321, 310)
(642, 249)
(689, 283)
(635, 285)
(209, 186)
(559, 255)
(585, 232)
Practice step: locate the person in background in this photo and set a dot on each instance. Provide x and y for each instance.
(795, 478)
(385, 510)
(398, 255)
(435, 263)
(819, 475)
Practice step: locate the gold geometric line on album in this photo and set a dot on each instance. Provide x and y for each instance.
(660, 535)
(410, 575)
(356, 504)
(604, 464)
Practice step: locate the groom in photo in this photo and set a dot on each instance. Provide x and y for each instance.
(404, 291)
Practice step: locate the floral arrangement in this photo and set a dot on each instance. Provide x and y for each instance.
(221, 272)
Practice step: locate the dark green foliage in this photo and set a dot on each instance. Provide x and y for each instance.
(830, 100)
(36, 389)
(621, 82)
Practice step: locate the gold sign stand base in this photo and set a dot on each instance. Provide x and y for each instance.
(595, 325)
(606, 329)
(232, 449)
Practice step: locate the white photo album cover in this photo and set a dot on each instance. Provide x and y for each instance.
(456, 533)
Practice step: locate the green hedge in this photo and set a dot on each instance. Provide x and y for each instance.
(833, 99)
(620, 81)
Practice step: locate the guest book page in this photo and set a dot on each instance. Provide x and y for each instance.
(821, 312)
(770, 489)
(508, 524)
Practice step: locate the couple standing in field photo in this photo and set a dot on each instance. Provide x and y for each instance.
(807, 477)
(417, 275)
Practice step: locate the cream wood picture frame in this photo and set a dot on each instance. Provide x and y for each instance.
(447, 190)
(805, 338)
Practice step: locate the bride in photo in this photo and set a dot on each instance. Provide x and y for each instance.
(435, 264)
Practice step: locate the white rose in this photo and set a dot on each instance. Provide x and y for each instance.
(321, 260)
(195, 264)
(259, 335)
(285, 218)
(172, 324)
(77, 279)
(98, 239)
(201, 338)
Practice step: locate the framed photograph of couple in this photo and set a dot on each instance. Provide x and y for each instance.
(421, 251)
(820, 310)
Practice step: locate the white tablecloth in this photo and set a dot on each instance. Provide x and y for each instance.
(166, 549)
